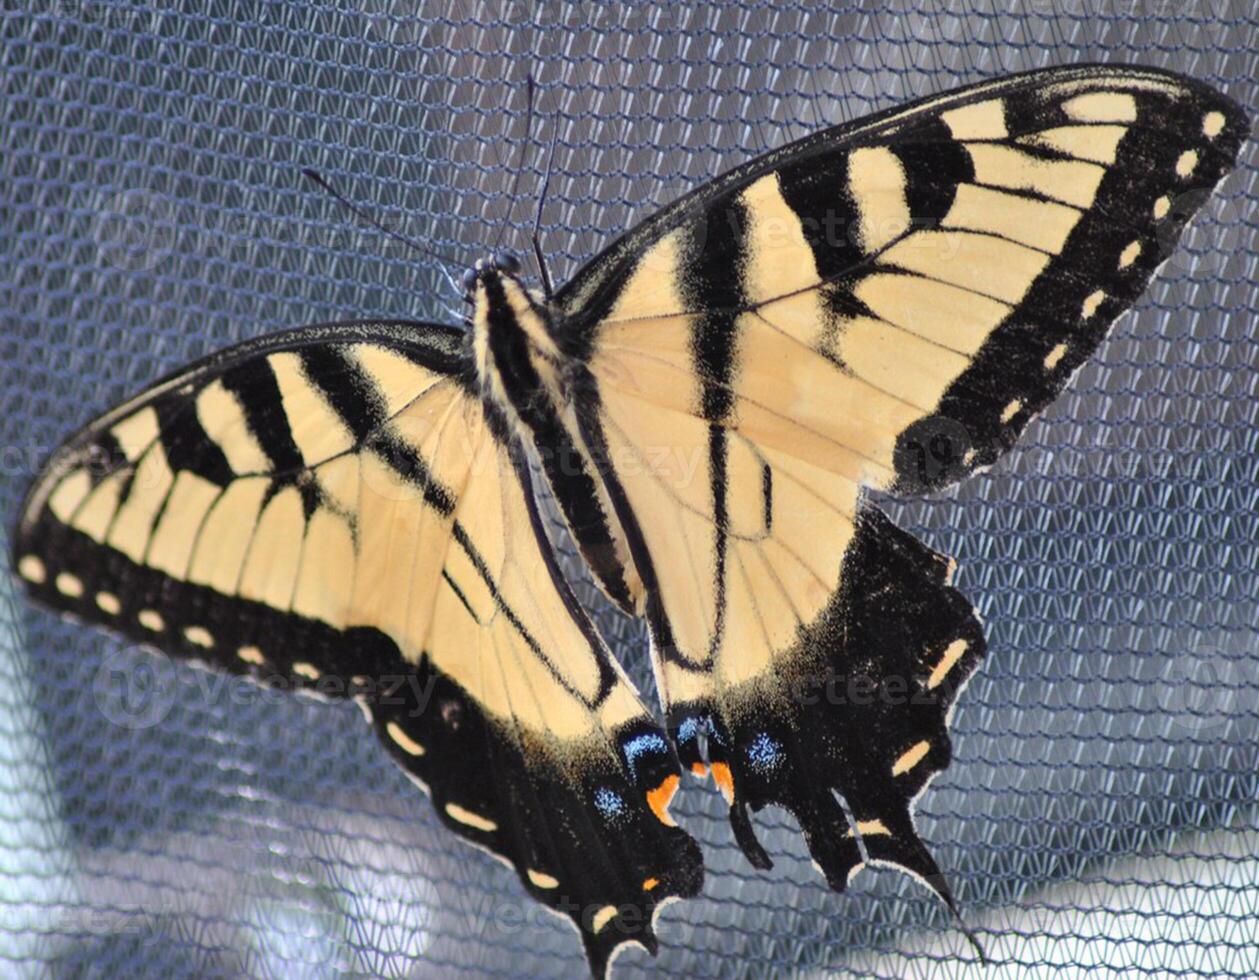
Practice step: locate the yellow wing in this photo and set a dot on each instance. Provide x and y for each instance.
(881, 305)
(334, 510)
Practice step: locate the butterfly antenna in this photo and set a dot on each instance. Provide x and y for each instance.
(379, 226)
(536, 238)
(520, 163)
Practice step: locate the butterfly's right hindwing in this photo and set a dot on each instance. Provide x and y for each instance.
(334, 510)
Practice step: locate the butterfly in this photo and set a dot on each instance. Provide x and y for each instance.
(353, 509)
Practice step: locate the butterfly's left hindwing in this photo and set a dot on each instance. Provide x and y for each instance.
(882, 305)
(334, 510)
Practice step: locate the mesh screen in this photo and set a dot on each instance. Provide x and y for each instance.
(163, 821)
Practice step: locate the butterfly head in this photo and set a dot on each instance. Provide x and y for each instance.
(502, 263)
(511, 326)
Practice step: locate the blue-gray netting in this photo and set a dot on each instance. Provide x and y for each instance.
(157, 820)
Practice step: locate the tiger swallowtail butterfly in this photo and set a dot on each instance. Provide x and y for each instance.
(884, 305)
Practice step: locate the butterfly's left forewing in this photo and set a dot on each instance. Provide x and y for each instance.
(884, 305)
(335, 510)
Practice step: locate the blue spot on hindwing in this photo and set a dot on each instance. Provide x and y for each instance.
(649, 743)
(610, 803)
(689, 729)
(764, 753)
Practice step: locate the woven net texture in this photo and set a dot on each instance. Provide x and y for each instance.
(159, 820)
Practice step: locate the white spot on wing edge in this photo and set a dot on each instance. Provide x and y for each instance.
(869, 828)
(309, 671)
(543, 880)
(601, 918)
(456, 812)
(251, 655)
(1162, 207)
(911, 757)
(33, 570)
(1212, 124)
(408, 745)
(1011, 410)
(108, 603)
(151, 619)
(1187, 163)
(952, 654)
(199, 636)
(626, 943)
(1091, 303)
(1054, 356)
(69, 585)
(1129, 254)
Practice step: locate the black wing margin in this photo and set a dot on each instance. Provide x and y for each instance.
(867, 691)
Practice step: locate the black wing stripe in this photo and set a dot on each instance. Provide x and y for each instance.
(718, 448)
(187, 445)
(254, 385)
(935, 164)
(813, 188)
(405, 460)
(347, 388)
(711, 273)
(565, 467)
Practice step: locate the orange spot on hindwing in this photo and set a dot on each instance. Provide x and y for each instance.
(724, 780)
(660, 797)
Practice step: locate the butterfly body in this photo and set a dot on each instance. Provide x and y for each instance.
(882, 306)
(524, 373)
